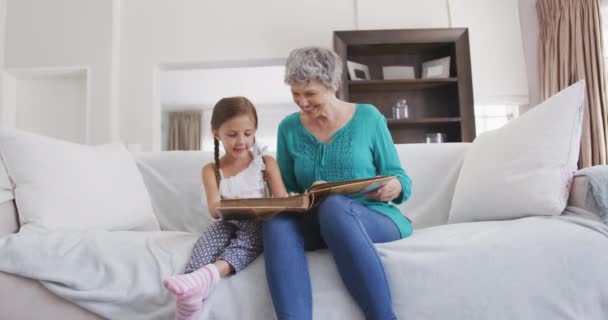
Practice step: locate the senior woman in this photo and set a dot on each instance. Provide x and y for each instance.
(333, 140)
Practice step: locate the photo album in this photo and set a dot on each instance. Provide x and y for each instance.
(265, 208)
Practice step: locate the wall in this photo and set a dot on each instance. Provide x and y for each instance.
(2, 37)
(53, 105)
(114, 76)
(205, 86)
(210, 31)
(529, 34)
(126, 43)
(401, 14)
(64, 33)
(497, 58)
(198, 31)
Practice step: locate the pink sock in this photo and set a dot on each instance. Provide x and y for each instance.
(189, 305)
(204, 279)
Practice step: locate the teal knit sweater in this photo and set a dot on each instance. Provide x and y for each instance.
(363, 148)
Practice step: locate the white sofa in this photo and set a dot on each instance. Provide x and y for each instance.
(531, 268)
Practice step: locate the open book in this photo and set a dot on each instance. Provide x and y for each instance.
(264, 208)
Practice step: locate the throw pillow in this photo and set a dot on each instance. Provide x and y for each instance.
(58, 184)
(524, 168)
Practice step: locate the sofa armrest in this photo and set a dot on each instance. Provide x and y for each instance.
(9, 222)
(24, 298)
(578, 195)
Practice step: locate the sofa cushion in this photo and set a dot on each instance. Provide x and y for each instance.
(524, 168)
(59, 184)
(6, 187)
(433, 168)
(174, 181)
(9, 222)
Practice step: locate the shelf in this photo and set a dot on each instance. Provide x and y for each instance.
(421, 121)
(435, 104)
(405, 84)
(397, 48)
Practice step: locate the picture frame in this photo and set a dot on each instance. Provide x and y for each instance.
(398, 72)
(438, 68)
(357, 71)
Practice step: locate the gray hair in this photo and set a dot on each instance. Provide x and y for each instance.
(314, 63)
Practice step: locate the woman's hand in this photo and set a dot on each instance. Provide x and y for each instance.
(387, 192)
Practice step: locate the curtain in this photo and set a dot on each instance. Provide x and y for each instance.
(185, 130)
(570, 49)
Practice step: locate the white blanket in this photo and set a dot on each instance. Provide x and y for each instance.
(532, 268)
(114, 274)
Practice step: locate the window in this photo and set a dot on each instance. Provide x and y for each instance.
(493, 116)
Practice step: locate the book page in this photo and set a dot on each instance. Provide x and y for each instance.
(264, 208)
(350, 187)
(373, 186)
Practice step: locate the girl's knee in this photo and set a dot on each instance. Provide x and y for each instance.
(220, 226)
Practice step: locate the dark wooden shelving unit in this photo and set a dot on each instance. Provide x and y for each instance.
(388, 85)
(409, 121)
(434, 104)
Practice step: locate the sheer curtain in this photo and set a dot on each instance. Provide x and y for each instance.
(185, 130)
(570, 49)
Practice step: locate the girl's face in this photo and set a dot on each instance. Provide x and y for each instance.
(311, 97)
(237, 135)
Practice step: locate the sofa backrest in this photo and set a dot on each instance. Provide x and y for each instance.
(174, 181)
(434, 170)
(9, 221)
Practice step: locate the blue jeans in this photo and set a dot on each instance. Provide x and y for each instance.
(349, 230)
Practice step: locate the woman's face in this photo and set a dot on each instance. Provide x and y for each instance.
(237, 135)
(312, 96)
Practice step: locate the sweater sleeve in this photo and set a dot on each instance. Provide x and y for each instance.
(387, 160)
(285, 161)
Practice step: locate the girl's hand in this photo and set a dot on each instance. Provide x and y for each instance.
(388, 192)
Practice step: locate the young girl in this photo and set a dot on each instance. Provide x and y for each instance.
(227, 246)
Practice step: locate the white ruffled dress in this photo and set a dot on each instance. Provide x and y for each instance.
(248, 183)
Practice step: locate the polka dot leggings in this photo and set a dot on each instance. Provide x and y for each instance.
(237, 242)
